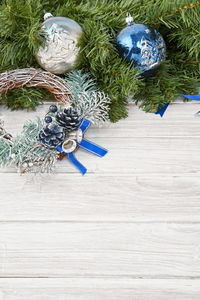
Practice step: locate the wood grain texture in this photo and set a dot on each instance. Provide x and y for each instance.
(67, 197)
(98, 289)
(137, 157)
(178, 121)
(99, 249)
(128, 230)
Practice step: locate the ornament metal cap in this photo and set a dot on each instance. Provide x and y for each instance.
(47, 16)
(129, 18)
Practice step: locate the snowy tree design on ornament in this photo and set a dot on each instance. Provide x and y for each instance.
(60, 51)
(152, 56)
(141, 45)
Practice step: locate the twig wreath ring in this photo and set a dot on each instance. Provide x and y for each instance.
(37, 78)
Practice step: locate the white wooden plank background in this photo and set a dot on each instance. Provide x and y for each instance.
(128, 230)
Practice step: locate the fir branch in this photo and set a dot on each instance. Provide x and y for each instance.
(177, 21)
(24, 98)
(5, 152)
(80, 82)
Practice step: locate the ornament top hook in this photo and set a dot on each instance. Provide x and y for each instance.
(129, 19)
(47, 16)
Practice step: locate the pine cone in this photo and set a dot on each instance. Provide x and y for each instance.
(51, 135)
(69, 119)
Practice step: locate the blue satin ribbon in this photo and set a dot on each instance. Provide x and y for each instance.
(75, 161)
(92, 148)
(192, 97)
(162, 109)
(84, 144)
(85, 124)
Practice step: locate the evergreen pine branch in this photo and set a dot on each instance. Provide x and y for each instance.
(5, 152)
(177, 21)
(24, 98)
(80, 82)
(161, 89)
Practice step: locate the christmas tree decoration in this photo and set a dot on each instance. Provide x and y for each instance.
(177, 22)
(59, 54)
(60, 133)
(40, 144)
(141, 45)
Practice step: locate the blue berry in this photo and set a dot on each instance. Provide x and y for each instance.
(48, 119)
(53, 108)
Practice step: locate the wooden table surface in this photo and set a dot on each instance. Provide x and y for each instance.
(128, 230)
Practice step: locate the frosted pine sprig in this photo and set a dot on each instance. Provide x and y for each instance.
(89, 102)
(93, 107)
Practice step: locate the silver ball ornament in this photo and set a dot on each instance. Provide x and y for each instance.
(59, 54)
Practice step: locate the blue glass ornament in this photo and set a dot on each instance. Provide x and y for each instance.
(141, 45)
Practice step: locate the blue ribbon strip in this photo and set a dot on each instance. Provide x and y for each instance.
(192, 97)
(85, 124)
(92, 148)
(85, 144)
(73, 159)
(162, 109)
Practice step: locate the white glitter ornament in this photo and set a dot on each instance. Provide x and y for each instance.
(60, 51)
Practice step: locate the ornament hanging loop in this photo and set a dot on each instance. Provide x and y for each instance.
(47, 16)
(129, 19)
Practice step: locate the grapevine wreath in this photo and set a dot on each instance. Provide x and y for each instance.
(62, 130)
